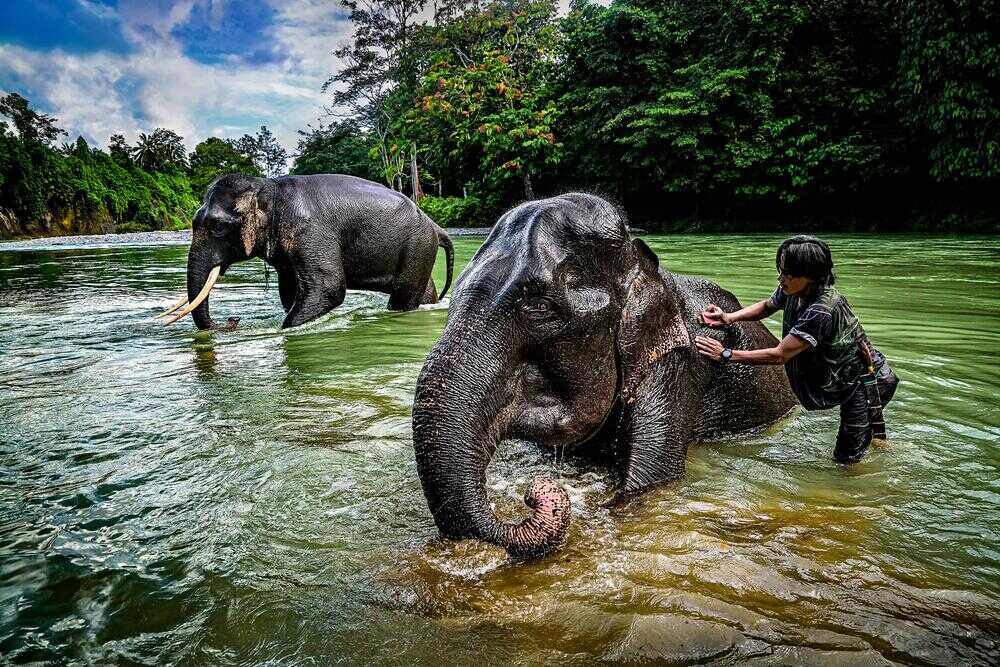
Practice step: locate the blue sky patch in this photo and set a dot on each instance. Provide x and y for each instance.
(69, 25)
(243, 32)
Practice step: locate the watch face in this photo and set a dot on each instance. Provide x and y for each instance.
(727, 353)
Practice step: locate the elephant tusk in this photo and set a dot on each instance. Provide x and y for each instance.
(174, 307)
(202, 295)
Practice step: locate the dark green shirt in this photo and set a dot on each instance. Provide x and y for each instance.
(824, 374)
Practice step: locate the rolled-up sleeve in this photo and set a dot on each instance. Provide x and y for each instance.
(777, 299)
(814, 325)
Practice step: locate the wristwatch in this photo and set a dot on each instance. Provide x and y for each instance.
(726, 355)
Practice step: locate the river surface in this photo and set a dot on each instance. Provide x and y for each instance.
(169, 496)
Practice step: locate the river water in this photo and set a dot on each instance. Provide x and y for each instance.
(170, 496)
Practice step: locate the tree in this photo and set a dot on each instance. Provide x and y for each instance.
(31, 126)
(730, 103)
(81, 149)
(378, 63)
(340, 148)
(267, 155)
(160, 151)
(949, 86)
(215, 157)
(119, 150)
(485, 110)
(482, 108)
(273, 157)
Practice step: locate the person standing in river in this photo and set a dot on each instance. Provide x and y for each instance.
(827, 356)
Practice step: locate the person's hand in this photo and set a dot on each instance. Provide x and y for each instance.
(714, 316)
(710, 347)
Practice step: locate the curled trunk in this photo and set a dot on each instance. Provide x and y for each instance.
(461, 411)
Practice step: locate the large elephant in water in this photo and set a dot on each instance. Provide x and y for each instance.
(324, 234)
(563, 330)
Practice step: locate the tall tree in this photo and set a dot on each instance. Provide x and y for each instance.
(377, 64)
(482, 106)
(340, 148)
(31, 126)
(161, 150)
(273, 157)
(247, 145)
(119, 150)
(949, 86)
(725, 102)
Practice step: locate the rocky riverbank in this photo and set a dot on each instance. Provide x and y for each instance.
(148, 238)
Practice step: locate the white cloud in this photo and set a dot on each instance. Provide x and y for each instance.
(168, 89)
(80, 93)
(97, 9)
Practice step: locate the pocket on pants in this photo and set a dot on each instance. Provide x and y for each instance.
(887, 383)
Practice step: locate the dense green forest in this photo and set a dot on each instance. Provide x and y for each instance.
(704, 114)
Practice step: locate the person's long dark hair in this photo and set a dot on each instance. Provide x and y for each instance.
(808, 257)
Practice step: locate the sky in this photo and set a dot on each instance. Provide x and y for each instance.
(199, 67)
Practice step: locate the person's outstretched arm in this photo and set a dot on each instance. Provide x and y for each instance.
(714, 316)
(788, 347)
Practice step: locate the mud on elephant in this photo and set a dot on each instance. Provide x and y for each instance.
(563, 330)
(324, 234)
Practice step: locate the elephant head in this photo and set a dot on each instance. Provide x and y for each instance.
(552, 325)
(232, 225)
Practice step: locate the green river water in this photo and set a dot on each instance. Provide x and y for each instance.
(169, 496)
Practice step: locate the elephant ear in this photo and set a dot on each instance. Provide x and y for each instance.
(253, 206)
(656, 412)
(651, 322)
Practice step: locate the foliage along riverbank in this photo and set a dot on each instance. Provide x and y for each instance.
(74, 188)
(709, 115)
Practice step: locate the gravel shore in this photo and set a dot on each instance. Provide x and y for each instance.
(149, 238)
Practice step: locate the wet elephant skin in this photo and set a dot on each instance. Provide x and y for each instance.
(565, 331)
(324, 234)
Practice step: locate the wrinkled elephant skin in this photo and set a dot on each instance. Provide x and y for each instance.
(564, 330)
(324, 234)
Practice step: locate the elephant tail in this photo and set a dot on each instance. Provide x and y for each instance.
(444, 241)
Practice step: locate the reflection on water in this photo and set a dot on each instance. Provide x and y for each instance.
(168, 495)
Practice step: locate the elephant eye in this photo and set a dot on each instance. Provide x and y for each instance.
(218, 227)
(537, 307)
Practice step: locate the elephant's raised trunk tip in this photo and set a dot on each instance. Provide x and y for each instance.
(545, 529)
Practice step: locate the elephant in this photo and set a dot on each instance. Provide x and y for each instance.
(323, 234)
(563, 330)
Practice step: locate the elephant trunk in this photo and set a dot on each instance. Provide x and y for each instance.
(461, 412)
(199, 268)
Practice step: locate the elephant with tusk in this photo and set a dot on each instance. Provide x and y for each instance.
(565, 331)
(323, 234)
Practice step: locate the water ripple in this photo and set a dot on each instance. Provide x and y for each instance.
(168, 495)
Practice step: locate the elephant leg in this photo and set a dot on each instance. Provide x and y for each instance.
(413, 284)
(317, 293)
(430, 293)
(657, 425)
(406, 297)
(287, 286)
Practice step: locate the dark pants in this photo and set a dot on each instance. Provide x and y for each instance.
(855, 434)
